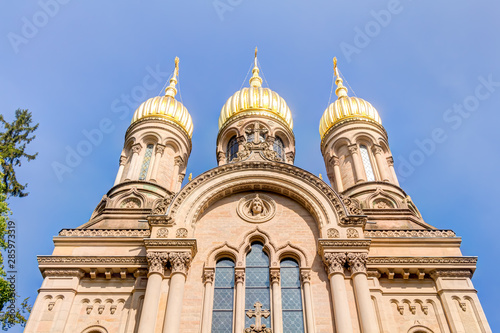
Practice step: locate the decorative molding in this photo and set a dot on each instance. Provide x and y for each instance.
(123, 159)
(172, 243)
(275, 276)
(352, 233)
(421, 260)
(334, 243)
(373, 273)
(332, 233)
(208, 276)
(305, 276)
(357, 262)
(256, 208)
(456, 273)
(140, 233)
(91, 260)
(334, 262)
(419, 233)
(181, 233)
(63, 272)
(162, 233)
(160, 220)
(239, 276)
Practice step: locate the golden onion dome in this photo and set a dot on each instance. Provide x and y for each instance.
(256, 100)
(346, 107)
(166, 107)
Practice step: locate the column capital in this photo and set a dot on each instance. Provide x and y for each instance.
(334, 262)
(180, 261)
(390, 161)
(334, 160)
(353, 148)
(208, 276)
(136, 149)
(156, 262)
(178, 161)
(123, 159)
(160, 148)
(290, 156)
(357, 262)
(239, 276)
(377, 149)
(275, 275)
(305, 276)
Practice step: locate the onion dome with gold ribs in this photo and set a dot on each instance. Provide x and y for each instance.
(346, 108)
(166, 108)
(256, 100)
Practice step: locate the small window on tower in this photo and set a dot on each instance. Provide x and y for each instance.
(279, 148)
(146, 162)
(232, 149)
(367, 163)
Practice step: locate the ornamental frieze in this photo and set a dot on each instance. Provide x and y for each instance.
(92, 260)
(140, 233)
(409, 233)
(421, 260)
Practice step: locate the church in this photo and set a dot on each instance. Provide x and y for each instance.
(256, 244)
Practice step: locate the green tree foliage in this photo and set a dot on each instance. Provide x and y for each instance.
(13, 140)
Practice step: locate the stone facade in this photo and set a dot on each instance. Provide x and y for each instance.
(147, 259)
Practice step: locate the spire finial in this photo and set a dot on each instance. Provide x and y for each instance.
(255, 80)
(341, 91)
(171, 90)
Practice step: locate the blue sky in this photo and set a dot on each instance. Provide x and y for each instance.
(73, 66)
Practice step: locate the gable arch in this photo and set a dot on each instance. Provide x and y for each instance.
(324, 204)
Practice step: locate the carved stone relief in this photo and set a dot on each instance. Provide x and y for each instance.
(332, 233)
(181, 233)
(352, 233)
(162, 233)
(131, 203)
(256, 208)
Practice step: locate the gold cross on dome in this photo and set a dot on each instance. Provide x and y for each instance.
(258, 313)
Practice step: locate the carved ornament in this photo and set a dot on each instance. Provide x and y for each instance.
(421, 233)
(162, 206)
(141, 233)
(334, 262)
(157, 261)
(357, 262)
(180, 261)
(332, 233)
(256, 208)
(181, 233)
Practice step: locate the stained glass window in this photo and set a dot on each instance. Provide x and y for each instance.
(232, 149)
(291, 297)
(222, 317)
(367, 163)
(146, 161)
(257, 283)
(279, 148)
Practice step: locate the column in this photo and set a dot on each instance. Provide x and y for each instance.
(366, 311)
(390, 162)
(180, 262)
(136, 149)
(336, 173)
(179, 183)
(156, 262)
(159, 153)
(358, 164)
(208, 279)
(119, 175)
(276, 291)
(334, 263)
(381, 162)
(239, 322)
(308, 308)
(175, 178)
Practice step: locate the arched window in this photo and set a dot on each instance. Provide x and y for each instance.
(222, 317)
(232, 149)
(257, 282)
(279, 148)
(367, 163)
(291, 297)
(251, 137)
(146, 162)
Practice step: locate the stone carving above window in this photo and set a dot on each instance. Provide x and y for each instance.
(162, 233)
(131, 203)
(181, 233)
(332, 233)
(256, 208)
(382, 204)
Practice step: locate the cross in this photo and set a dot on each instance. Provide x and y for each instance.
(257, 130)
(258, 313)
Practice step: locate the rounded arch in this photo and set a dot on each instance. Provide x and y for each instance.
(324, 204)
(150, 137)
(95, 329)
(287, 139)
(420, 329)
(364, 138)
(339, 143)
(223, 251)
(172, 144)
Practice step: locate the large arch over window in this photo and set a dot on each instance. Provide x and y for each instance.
(222, 315)
(232, 149)
(257, 287)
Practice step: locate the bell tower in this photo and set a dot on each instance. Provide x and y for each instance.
(358, 160)
(255, 123)
(153, 160)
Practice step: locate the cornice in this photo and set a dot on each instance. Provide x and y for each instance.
(343, 244)
(91, 260)
(172, 244)
(139, 233)
(419, 233)
(422, 260)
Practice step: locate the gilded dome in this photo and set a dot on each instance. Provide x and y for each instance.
(346, 107)
(166, 107)
(256, 100)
